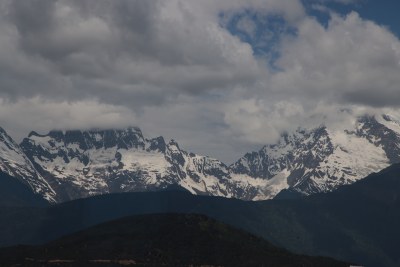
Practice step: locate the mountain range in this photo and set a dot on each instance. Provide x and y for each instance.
(67, 165)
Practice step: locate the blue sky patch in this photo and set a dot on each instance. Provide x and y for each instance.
(262, 31)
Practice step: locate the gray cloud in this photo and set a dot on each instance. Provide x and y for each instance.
(174, 69)
(350, 61)
(119, 51)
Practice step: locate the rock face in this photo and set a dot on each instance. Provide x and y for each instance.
(322, 159)
(66, 165)
(14, 162)
(84, 163)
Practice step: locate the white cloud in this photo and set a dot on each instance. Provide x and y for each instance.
(352, 60)
(173, 69)
(18, 118)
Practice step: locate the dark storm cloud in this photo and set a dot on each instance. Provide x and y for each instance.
(375, 97)
(119, 51)
(26, 17)
(33, 21)
(42, 23)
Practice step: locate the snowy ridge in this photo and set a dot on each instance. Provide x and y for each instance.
(14, 163)
(85, 163)
(65, 165)
(322, 159)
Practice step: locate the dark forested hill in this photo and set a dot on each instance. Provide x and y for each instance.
(357, 223)
(160, 240)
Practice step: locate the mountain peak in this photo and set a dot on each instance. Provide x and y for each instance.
(387, 117)
(2, 131)
(89, 139)
(82, 163)
(174, 144)
(322, 159)
(14, 162)
(33, 133)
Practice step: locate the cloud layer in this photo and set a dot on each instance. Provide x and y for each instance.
(182, 69)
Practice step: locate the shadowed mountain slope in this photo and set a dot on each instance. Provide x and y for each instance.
(14, 193)
(357, 223)
(155, 240)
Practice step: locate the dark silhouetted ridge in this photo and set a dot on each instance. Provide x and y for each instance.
(161, 240)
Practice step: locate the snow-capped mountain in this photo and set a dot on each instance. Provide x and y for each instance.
(14, 163)
(84, 163)
(322, 159)
(65, 165)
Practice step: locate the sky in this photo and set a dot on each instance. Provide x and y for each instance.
(220, 77)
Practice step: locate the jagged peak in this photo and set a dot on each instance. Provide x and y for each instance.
(129, 129)
(172, 142)
(382, 120)
(390, 118)
(2, 131)
(366, 117)
(129, 137)
(63, 132)
(4, 137)
(158, 139)
(287, 137)
(376, 117)
(33, 133)
(322, 126)
(157, 143)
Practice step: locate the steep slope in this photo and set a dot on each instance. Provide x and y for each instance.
(356, 223)
(13, 162)
(14, 193)
(85, 163)
(79, 164)
(323, 159)
(161, 240)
